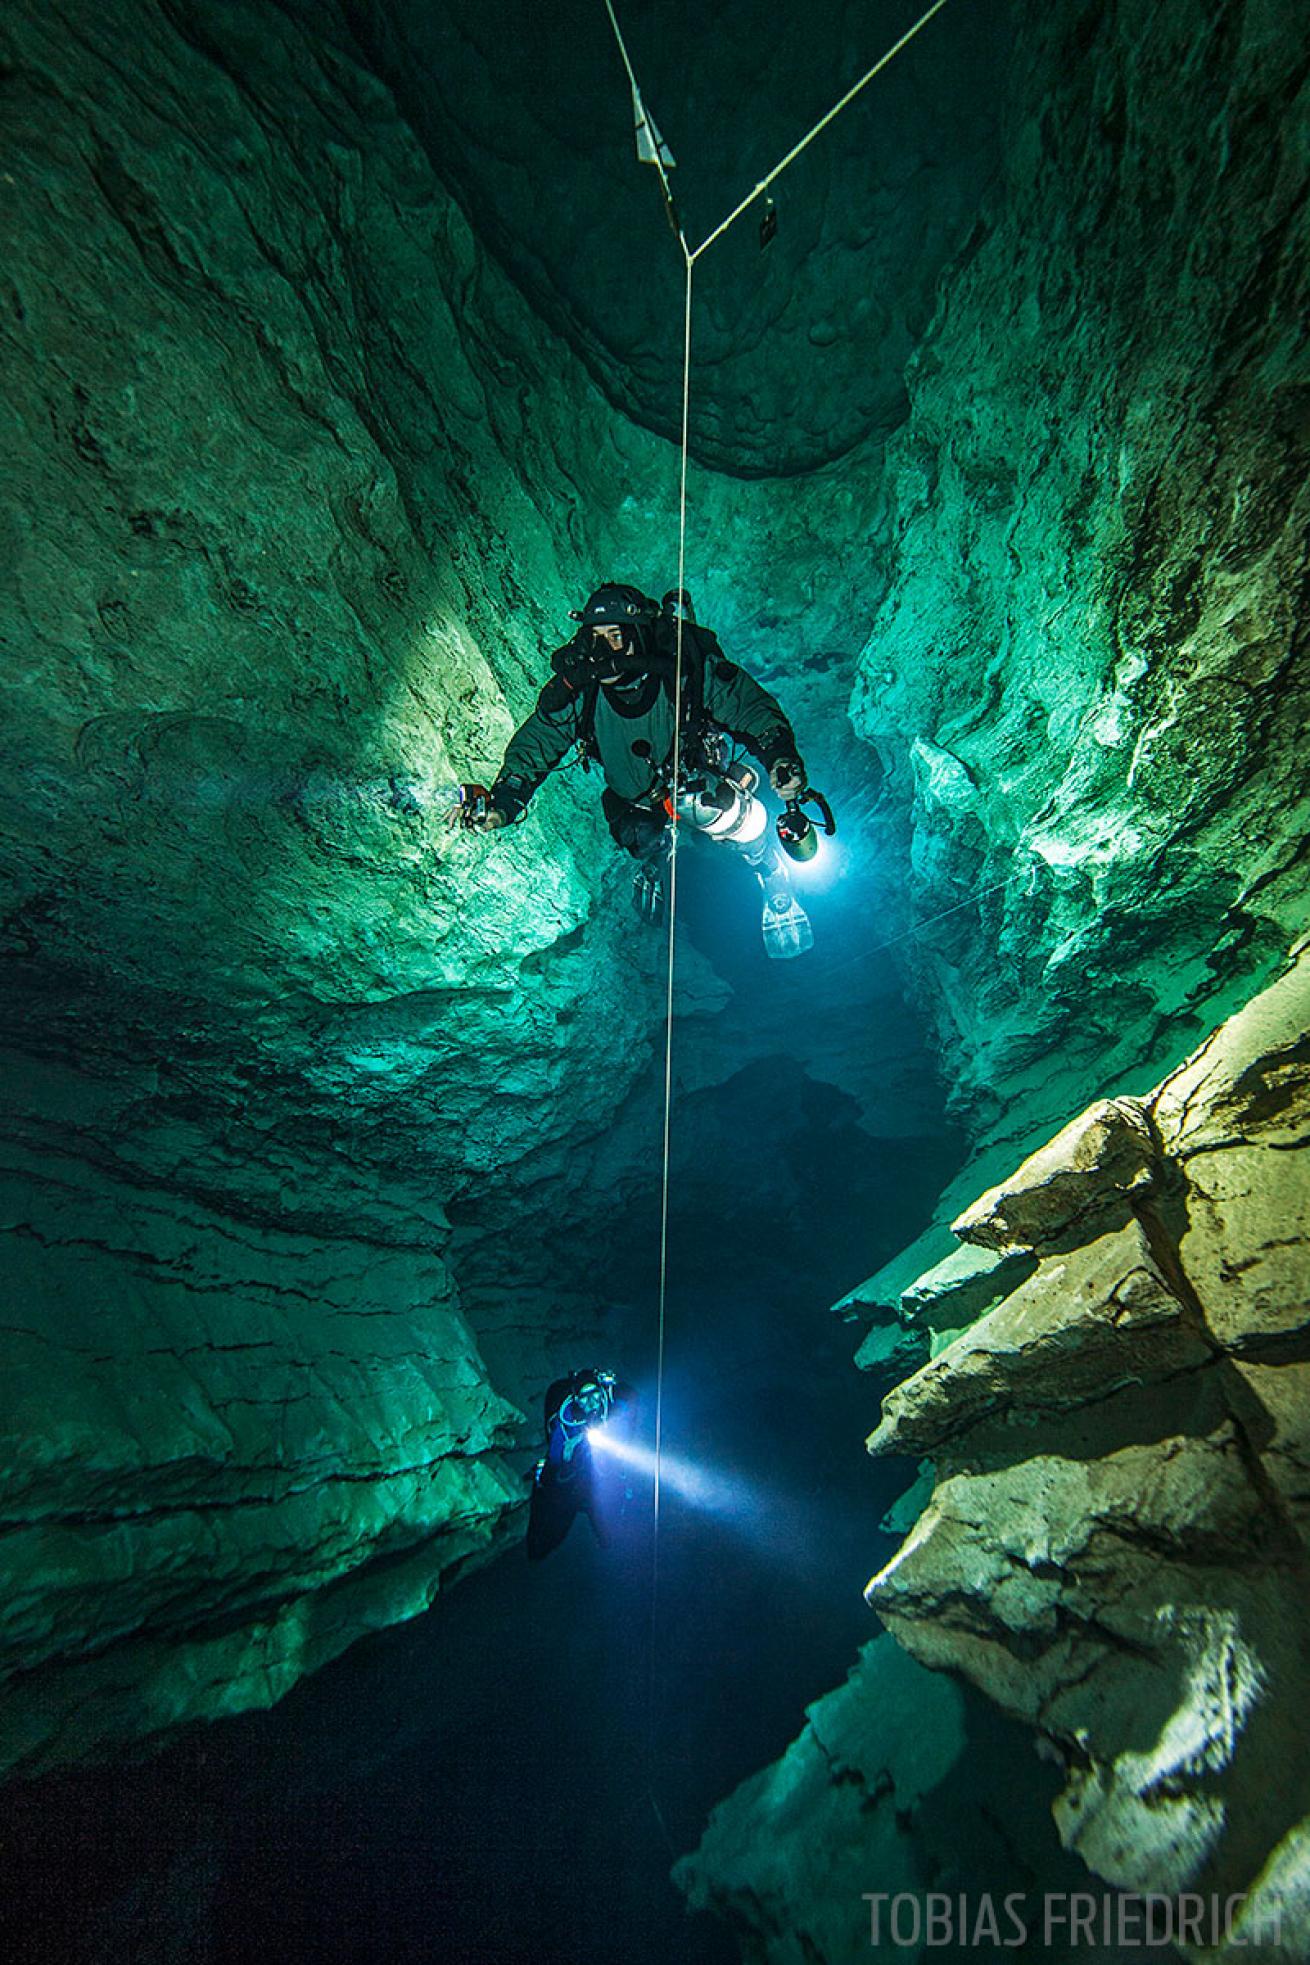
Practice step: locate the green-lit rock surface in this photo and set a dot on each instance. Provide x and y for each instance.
(866, 219)
(312, 1106)
(1109, 1540)
(269, 578)
(1087, 680)
(1087, 683)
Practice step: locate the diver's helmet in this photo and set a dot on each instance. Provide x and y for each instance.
(615, 606)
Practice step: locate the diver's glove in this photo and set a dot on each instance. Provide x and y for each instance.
(478, 810)
(473, 810)
(787, 776)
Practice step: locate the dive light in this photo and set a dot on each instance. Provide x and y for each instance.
(797, 834)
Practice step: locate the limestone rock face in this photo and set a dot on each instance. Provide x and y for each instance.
(1092, 1169)
(1088, 679)
(902, 1795)
(308, 1099)
(1116, 1546)
(896, 1786)
(263, 1015)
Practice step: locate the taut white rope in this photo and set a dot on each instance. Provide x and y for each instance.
(689, 259)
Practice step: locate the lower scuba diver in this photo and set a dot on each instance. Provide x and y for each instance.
(567, 1482)
(611, 693)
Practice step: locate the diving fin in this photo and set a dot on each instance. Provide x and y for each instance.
(786, 926)
(648, 893)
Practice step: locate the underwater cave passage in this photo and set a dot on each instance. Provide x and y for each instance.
(398, 398)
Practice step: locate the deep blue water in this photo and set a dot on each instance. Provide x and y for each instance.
(477, 1784)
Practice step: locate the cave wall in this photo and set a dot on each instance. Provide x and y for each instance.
(309, 1101)
(296, 492)
(1087, 680)
(527, 114)
(1115, 1543)
(300, 490)
(1107, 1538)
(1086, 683)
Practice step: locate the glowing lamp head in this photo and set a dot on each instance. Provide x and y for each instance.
(798, 835)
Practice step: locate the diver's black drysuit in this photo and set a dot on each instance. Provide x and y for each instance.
(569, 1482)
(627, 725)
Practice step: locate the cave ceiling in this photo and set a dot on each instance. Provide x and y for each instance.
(526, 115)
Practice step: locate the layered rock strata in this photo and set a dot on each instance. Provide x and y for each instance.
(1116, 1545)
(263, 1015)
(297, 493)
(1108, 1539)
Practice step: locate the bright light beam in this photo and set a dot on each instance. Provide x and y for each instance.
(823, 871)
(689, 1482)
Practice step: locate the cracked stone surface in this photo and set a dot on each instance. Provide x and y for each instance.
(1115, 1549)
(308, 1104)
(257, 1033)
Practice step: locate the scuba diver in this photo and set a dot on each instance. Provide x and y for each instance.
(567, 1482)
(611, 693)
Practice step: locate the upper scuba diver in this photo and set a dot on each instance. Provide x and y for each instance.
(567, 1482)
(611, 693)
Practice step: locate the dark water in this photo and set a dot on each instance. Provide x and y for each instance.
(509, 1777)
(476, 1784)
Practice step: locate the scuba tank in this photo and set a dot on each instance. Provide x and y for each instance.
(721, 803)
(717, 797)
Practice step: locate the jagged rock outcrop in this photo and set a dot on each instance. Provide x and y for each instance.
(1116, 1544)
(899, 1788)
(1108, 1538)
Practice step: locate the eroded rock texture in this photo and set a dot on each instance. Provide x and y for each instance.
(899, 1786)
(282, 541)
(1108, 1538)
(1116, 1544)
(308, 1101)
(1088, 680)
